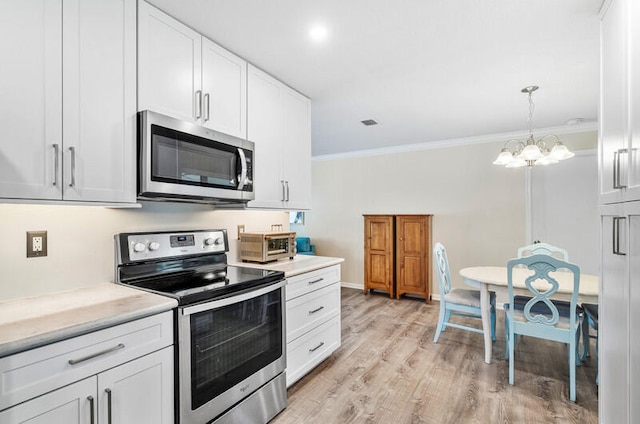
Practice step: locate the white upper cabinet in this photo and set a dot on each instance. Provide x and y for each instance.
(68, 107)
(620, 102)
(224, 88)
(279, 125)
(187, 76)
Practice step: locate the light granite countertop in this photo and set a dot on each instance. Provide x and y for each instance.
(31, 322)
(298, 265)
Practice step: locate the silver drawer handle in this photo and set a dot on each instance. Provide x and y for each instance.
(95, 355)
(316, 310)
(317, 347)
(91, 408)
(316, 281)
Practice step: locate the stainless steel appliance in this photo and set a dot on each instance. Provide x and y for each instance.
(230, 323)
(182, 161)
(267, 246)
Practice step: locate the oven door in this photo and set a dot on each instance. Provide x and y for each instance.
(228, 349)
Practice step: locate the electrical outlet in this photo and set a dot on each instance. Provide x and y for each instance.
(36, 244)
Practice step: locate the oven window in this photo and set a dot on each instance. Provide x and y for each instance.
(231, 343)
(186, 159)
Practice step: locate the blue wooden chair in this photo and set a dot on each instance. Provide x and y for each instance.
(543, 249)
(457, 301)
(590, 319)
(547, 324)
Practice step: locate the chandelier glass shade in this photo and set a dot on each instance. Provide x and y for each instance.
(543, 151)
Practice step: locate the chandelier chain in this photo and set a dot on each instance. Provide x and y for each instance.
(532, 107)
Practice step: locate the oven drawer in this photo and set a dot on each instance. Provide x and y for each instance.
(304, 353)
(310, 281)
(37, 371)
(308, 311)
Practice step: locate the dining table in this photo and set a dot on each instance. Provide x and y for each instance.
(494, 278)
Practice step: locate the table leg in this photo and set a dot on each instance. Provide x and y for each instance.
(485, 310)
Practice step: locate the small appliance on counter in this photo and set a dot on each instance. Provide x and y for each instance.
(267, 246)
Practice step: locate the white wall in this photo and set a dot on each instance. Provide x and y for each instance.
(479, 208)
(80, 240)
(565, 208)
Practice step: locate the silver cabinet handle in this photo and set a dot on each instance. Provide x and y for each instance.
(616, 168)
(108, 391)
(198, 104)
(316, 310)
(91, 408)
(616, 235)
(283, 197)
(317, 347)
(56, 161)
(206, 107)
(95, 355)
(72, 150)
(315, 281)
(286, 183)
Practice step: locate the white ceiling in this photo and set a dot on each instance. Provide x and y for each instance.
(426, 70)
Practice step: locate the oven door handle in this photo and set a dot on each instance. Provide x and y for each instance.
(206, 306)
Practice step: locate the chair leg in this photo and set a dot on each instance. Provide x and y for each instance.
(440, 322)
(511, 355)
(585, 339)
(493, 321)
(572, 370)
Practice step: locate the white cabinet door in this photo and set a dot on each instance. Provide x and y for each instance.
(72, 404)
(31, 93)
(265, 129)
(613, 100)
(297, 151)
(224, 87)
(138, 392)
(613, 326)
(169, 65)
(633, 189)
(633, 257)
(99, 85)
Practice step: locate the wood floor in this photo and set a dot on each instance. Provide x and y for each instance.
(388, 370)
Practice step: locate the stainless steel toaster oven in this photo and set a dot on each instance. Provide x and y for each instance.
(267, 246)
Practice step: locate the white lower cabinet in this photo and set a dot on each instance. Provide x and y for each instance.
(313, 320)
(123, 375)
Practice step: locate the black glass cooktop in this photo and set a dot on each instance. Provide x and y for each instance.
(196, 279)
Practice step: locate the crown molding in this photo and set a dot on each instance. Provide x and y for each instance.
(454, 142)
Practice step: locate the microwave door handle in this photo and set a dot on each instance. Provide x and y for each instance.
(243, 172)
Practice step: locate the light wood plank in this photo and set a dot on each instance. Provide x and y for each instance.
(389, 371)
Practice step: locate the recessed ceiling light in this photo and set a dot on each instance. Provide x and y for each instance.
(318, 33)
(369, 122)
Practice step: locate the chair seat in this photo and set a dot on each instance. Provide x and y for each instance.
(518, 315)
(465, 297)
(563, 306)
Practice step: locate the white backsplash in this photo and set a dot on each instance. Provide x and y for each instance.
(80, 239)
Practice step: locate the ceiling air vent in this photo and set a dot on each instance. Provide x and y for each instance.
(369, 122)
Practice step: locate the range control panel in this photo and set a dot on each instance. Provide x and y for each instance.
(134, 247)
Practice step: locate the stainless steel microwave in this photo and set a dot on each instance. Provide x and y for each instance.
(183, 161)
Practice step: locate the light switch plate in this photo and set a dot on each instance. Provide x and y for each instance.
(36, 244)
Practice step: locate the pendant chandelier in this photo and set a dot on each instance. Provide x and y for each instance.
(543, 151)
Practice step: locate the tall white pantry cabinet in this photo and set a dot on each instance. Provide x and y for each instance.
(619, 169)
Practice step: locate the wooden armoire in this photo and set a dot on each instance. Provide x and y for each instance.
(397, 254)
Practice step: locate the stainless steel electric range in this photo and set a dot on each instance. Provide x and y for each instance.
(230, 323)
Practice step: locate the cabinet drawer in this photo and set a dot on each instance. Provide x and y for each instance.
(31, 373)
(308, 311)
(314, 280)
(304, 353)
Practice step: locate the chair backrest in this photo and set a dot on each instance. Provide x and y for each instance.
(543, 265)
(543, 249)
(442, 268)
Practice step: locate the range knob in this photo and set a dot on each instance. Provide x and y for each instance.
(139, 247)
(213, 241)
(154, 245)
